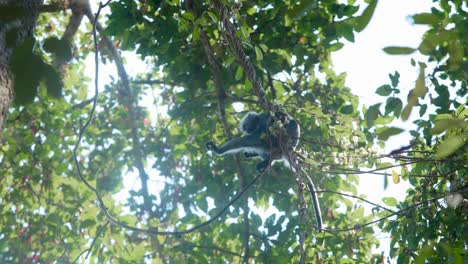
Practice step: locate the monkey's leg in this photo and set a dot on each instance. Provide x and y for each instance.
(294, 131)
(262, 165)
(250, 154)
(250, 143)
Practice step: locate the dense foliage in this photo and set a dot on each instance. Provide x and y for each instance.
(155, 132)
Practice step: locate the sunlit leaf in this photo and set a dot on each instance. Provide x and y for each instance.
(404, 172)
(259, 53)
(442, 125)
(456, 52)
(239, 73)
(384, 165)
(450, 145)
(395, 177)
(390, 201)
(419, 91)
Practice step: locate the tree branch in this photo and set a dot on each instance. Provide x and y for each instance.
(399, 213)
(152, 81)
(357, 197)
(131, 105)
(221, 94)
(229, 33)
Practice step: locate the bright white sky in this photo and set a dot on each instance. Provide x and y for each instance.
(367, 67)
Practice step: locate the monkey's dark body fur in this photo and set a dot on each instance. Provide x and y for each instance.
(260, 142)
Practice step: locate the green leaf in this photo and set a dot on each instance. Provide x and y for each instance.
(419, 91)
(251, 11)
(456, 51)
(212, 16)
(394, 78)
(394, 50)
(390, 201)
(347, 109)
(336, 46)
(384, 165)
(239, 73)
(343, 28)
(372, 113)
(426, 18)
(259, 53)
(395, 177)
(404, 172)
(189, 16)
(405, 113)
(384, 90)
(299, 10)
(450, 145)
(362, 21)
(442, 125)
(383, 133)
(87, 223)
(394, 105)
(432, 39)
(422, 110)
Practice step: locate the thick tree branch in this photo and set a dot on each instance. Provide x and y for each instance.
(221, 94)
(234, 44)
(131, 105)
(78, 8)
(302, 215)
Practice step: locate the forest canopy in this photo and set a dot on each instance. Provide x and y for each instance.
(70, 142)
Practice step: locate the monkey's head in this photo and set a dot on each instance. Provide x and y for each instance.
(249, 122)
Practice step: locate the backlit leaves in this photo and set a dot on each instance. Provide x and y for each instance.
(371, 114)
(450, 145)
(383, 133)
(393, 50)
(419, 91)
(362, 21)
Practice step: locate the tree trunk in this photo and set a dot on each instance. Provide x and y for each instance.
(17, 21)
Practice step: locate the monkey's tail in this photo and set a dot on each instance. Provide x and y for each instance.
(313, 194)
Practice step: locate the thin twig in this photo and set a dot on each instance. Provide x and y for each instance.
(302, 211)
(98, 234)
(357, 197)
(399, 213)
